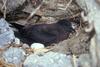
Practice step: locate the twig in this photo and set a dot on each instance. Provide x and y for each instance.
(34, 11)
(91, 23)
(75, 15)
(4, 8)
(66, 5)
(74, 61)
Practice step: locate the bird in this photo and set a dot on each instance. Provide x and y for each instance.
(46, 34)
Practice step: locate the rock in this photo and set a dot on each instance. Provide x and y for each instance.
(11, 5)
(49, 59)
(17, 41)
(37, 45)
(38, 48)
(6, 34)
(84, 60)
(25, 46)
(14, 55)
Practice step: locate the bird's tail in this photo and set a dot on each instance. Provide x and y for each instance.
(17, 26)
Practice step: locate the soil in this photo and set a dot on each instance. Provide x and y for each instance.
(77, 44)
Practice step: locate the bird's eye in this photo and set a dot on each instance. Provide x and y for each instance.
(74, 25)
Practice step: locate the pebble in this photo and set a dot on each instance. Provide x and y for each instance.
(17, 41)
(25, 46)
(37, 46)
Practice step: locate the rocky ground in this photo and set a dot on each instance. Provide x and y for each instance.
(20, 54)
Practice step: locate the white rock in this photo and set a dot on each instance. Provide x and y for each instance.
(17, 41)
(37, 45)
(6, 34)
(84, 60)
(49, 59)
(14, 55)
(25, 46)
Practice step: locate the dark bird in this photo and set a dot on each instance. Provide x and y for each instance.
(46, 33)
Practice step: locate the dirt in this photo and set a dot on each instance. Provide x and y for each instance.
(77, 44)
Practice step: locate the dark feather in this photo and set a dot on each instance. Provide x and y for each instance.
(47, 33)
